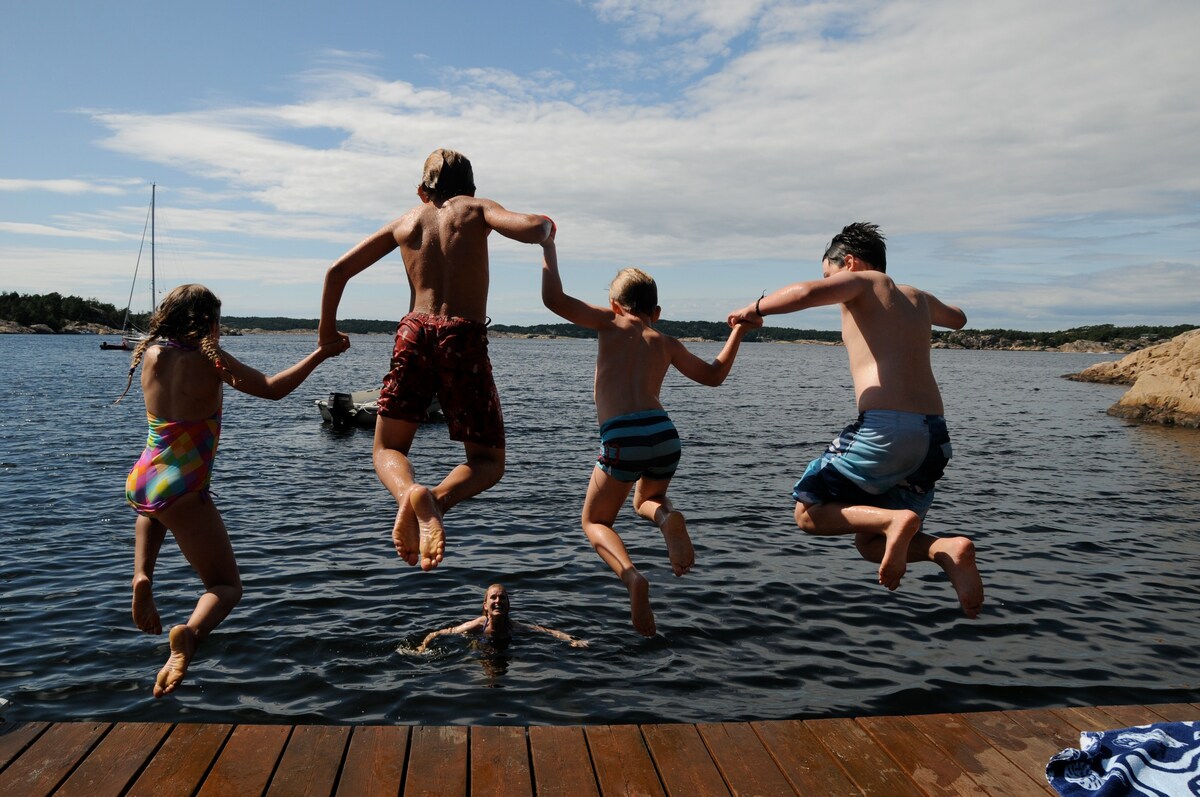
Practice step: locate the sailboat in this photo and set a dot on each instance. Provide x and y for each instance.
(131, 335)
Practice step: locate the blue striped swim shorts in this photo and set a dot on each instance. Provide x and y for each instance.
(886, 459)
(639, 444)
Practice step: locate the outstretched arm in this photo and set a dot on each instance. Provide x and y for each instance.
(368, 252)
(837, 289)
(945, 315)
(462, 628)
(561, 303)
(575, 643)
(254, 382)
(527, 228)
(709, 373)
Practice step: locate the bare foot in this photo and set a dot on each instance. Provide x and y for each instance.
(679, 544)
(429, 519)
(183, 645)
(899, 534)
(145, 612)
(956, 556)
(406, 533)
(639, 602)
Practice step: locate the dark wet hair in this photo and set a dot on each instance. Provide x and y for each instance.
(447, 174)
(861, 239)
(185, 315)
(635, 290)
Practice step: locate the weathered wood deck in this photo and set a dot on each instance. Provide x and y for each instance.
(992, 753)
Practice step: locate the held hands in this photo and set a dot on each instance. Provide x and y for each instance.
(549, 240)
(332, 348)
(747, 317)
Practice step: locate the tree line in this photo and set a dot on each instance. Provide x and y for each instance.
(57, 311)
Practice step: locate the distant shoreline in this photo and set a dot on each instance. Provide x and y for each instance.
(967, 339)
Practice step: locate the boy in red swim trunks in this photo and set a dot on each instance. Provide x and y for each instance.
(441, 345)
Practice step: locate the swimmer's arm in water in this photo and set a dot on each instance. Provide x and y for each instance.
(575, 643)
(469, 627)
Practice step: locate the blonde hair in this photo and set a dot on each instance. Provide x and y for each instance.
(447, 174)
(186, 315)
(635, 290)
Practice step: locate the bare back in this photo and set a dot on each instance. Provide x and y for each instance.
(631, 362)
(446, 256)
(886, 330)
(180, 384)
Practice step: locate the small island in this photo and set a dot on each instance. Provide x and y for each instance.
(1164, 380)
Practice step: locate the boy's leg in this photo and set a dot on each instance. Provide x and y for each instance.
(955, 555)
(393, 440)
(200, 533)
(148, 539)
(483, 468)
(896, 526)
(651, 502)
(605, 496)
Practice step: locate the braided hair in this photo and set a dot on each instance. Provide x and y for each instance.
(185, 315)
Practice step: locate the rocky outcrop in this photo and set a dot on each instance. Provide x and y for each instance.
(1164, 379)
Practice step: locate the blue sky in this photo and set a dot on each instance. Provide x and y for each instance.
(1036, 163)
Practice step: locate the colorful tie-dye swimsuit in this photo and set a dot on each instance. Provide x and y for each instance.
(177, 461)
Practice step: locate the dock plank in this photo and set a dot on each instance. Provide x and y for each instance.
(1176, 712)
(869, 766)
(500, 762)
(43, 765)
(116, 761)
(1012, 739)
(806, 764)
(437, 762)
(561, 764)
(310, 762)
(996, 775)
(622, 762)
(181, 762)
(374, 765)
(683, 762)
(924, 763)
(246, 763)
(744, 762)
(15, 737)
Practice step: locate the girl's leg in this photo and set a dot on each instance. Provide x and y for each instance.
(200, 533)
(148, 539)
(651, 502)
(605, 496)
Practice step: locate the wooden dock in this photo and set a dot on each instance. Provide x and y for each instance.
(985, 753)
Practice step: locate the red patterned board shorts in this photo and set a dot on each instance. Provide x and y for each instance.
(446, 357)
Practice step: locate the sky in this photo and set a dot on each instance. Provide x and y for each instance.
(1035, 163)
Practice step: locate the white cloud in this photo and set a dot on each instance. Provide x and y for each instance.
(973, 125)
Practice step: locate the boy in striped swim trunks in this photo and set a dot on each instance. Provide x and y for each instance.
(638, 443)
(876, 480)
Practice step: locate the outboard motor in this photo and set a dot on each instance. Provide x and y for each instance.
(341, 409)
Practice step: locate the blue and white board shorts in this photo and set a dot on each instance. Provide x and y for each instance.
(639, 444)
(886, 458)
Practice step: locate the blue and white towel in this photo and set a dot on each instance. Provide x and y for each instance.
(1160, 760)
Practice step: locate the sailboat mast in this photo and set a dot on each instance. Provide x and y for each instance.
(153, 292)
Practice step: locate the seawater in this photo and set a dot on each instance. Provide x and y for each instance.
(1088, 531)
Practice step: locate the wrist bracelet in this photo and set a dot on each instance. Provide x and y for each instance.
(758, 312)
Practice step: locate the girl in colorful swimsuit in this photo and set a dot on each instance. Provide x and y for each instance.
(183, 371)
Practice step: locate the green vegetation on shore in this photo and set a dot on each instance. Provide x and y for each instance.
(70, 313)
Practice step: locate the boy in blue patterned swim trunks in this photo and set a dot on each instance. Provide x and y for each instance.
(876, 480)
(638, 442)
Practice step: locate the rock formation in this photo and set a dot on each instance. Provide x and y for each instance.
(1165, 382)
